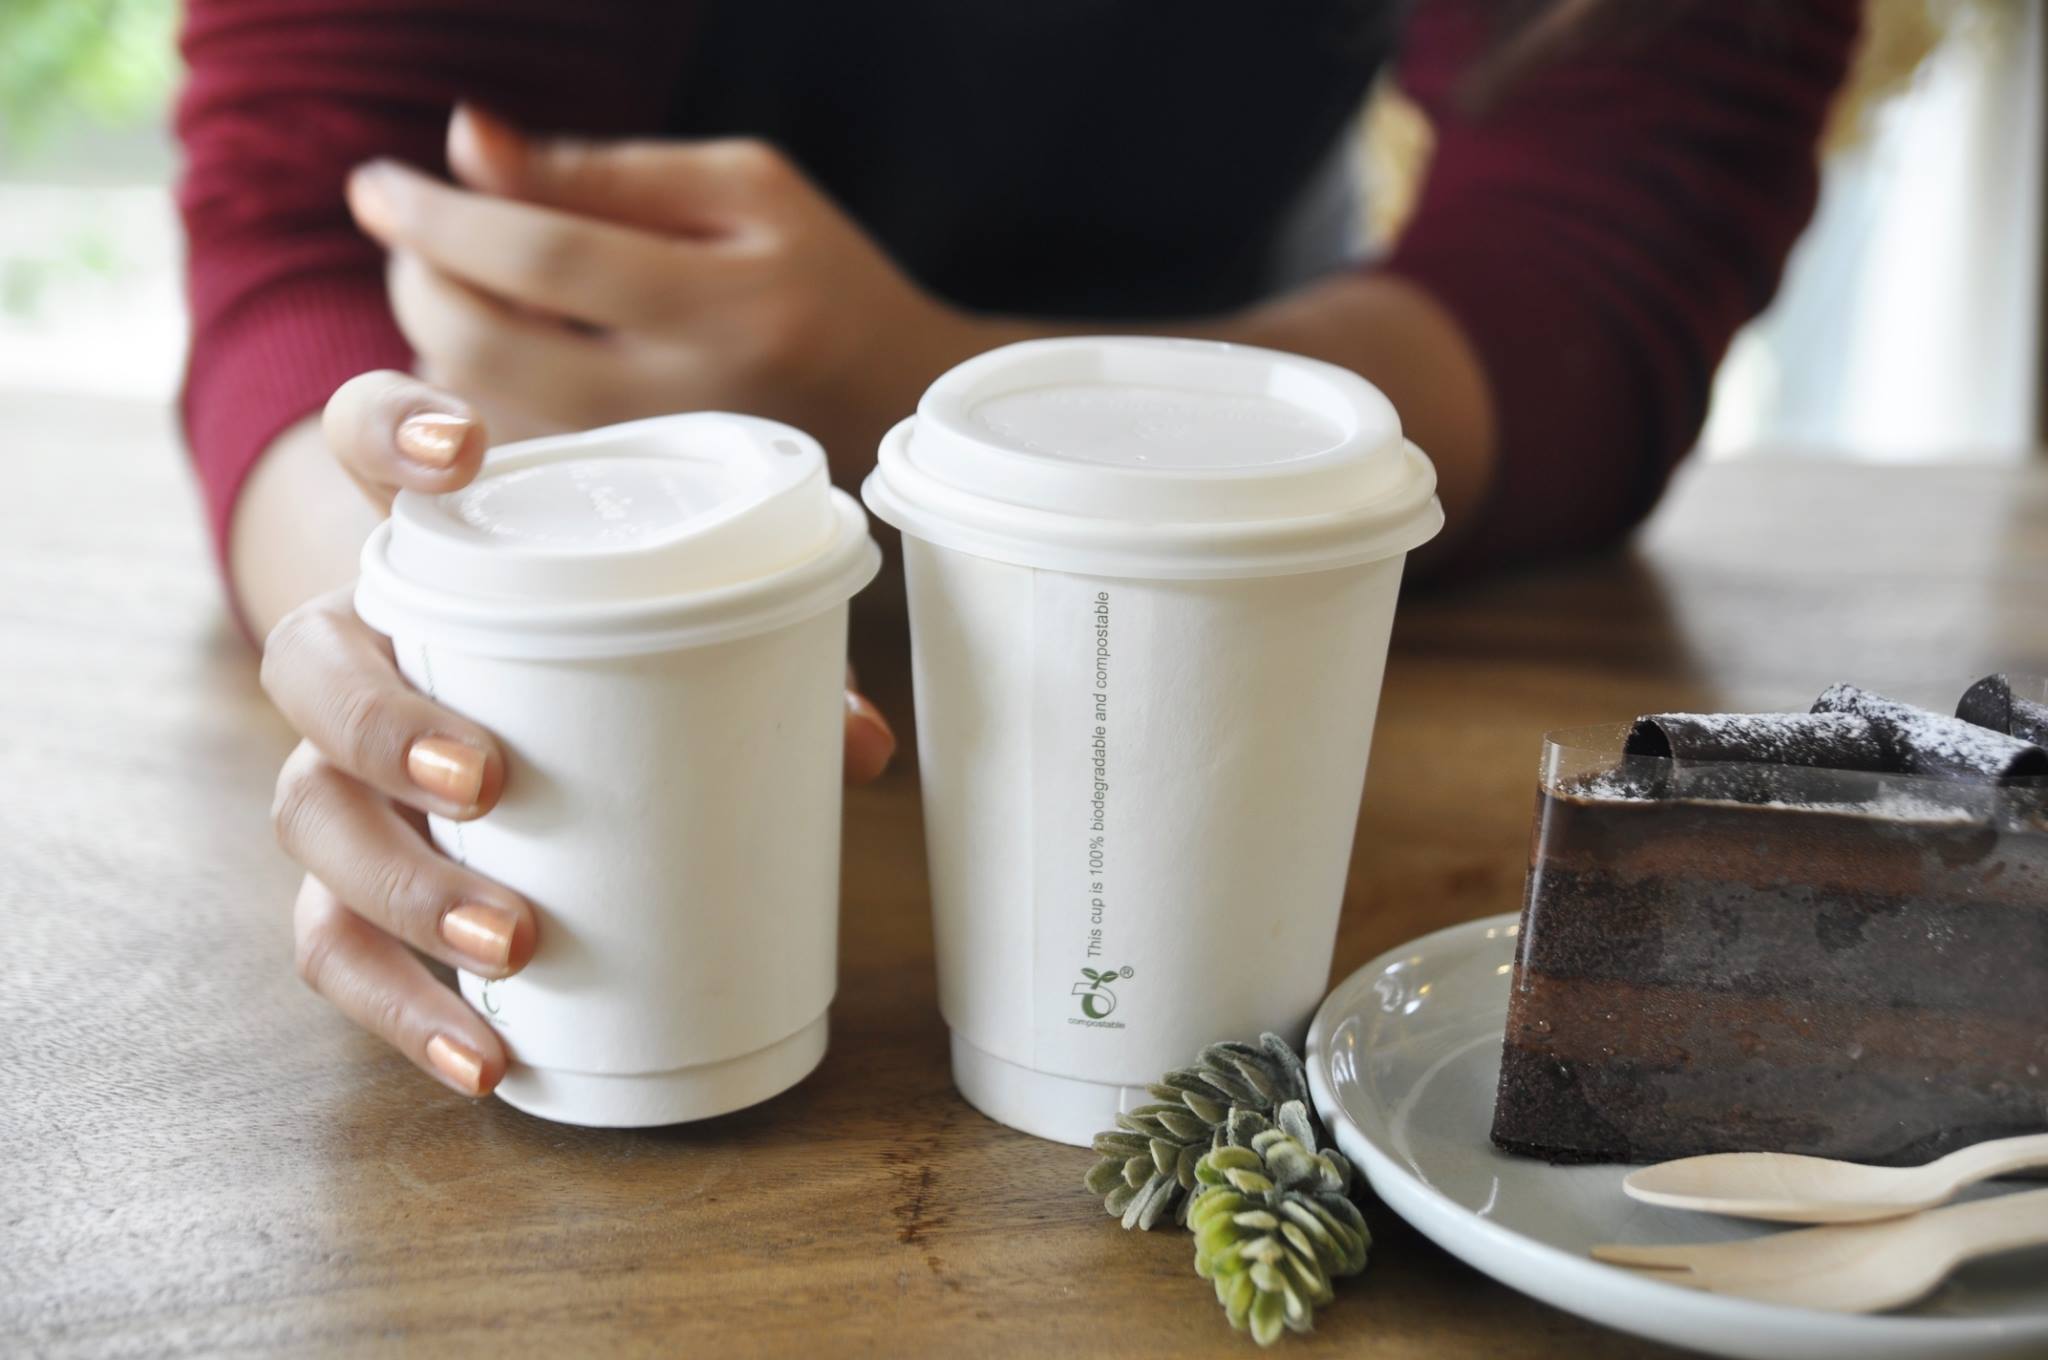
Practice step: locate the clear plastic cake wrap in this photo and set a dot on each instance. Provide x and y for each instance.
(1760, 954)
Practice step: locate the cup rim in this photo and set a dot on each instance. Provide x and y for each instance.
(903, 495)
(393, 604)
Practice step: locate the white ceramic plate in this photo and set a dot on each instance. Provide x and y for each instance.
(1403, 1058)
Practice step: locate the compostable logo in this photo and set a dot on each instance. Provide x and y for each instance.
(1097, 1000)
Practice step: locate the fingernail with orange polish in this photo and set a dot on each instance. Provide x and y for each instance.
(458, 1066)
(480, 932)
(433, 438)
(450, 770)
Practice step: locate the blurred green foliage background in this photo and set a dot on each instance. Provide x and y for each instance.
(85, 230)
(109, 62)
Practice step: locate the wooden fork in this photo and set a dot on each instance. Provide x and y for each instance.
(1848, 1267)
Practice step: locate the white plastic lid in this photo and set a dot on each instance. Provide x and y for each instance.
(675, 531)
(1149, 457)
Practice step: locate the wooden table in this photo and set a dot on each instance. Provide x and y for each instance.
(201, 1158)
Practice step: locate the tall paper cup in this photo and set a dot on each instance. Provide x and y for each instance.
(1151, 584)
(652, 619)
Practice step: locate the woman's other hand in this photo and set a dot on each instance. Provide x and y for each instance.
(377, 757)
(573, 284)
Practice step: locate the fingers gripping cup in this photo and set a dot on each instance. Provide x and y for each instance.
(1151, 584)
(652, 618)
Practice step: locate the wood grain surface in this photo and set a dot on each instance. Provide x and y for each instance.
(198, 1158)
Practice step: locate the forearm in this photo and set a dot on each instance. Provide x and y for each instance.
(282, 99)
(297, 527)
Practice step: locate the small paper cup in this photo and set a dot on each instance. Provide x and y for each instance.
(1151, 585)
(652, 619)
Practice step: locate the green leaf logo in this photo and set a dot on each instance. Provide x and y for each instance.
(1097, 1000)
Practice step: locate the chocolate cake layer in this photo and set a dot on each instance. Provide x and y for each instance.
(1692, 976)
(1927, 852)
(1788, 939)
(1591, 1021)
(1620, 1110)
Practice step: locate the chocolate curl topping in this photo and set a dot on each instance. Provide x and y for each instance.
(1833, 741)
(1991, 703)
(1917, 741)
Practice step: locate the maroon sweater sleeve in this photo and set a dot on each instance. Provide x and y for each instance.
(282, 98)
(1602, 232)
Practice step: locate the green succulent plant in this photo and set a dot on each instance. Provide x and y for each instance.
(1274, 1223)
(1147, 1166)
(1230, 1148)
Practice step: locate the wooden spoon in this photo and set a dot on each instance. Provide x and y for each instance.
(1787, 1188)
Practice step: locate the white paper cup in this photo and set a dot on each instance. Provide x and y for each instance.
(1151, 585)
(652, 619)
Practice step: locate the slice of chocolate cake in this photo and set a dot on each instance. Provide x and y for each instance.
(1822, 933)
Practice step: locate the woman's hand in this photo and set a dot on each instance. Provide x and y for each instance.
(575, 284)
(378, 756)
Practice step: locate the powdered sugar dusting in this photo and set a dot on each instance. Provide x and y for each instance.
(1922, 741)
(1854, 753)
(1836, 741)
(1615, 787)
(1769, 735)
(1891, 804)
